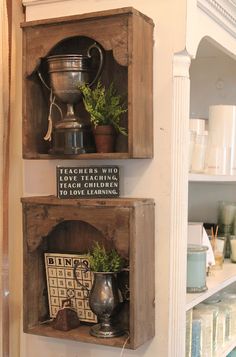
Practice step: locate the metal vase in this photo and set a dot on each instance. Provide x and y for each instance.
(67, 73)
(104, 301)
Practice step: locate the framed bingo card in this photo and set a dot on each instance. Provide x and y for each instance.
(62, 285)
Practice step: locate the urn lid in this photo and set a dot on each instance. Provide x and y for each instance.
(195, 248)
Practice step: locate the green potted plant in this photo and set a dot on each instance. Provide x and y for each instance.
(105, 261)
(105, 108)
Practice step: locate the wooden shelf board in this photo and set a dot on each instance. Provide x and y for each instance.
(79, 334)
(211, 178)
(94, 156)
(124, 202)
(218, 280)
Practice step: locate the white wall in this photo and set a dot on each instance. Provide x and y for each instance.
(213, 79)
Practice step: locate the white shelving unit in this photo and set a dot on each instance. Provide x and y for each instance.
(212, 178)
(218, 280)
(212, 81)
(227, 348)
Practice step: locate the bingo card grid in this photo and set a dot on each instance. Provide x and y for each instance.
(62, 285)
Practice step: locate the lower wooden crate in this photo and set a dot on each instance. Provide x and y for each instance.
(126, 224)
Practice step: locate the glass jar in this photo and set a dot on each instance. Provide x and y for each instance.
(188, 344)
(199, 152)
(232, 240)
(212, 305)
(192, 136)
(206, 315)
(224, 325)
(196, 268)
(226, 215)
(196, 337)
(230, 300)
(218, 246)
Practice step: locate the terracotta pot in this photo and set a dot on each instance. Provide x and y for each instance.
(104, 136)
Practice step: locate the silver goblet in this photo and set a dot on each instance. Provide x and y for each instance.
(104, 300)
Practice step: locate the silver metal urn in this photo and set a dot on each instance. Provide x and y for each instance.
(105, 301)
(67, 73)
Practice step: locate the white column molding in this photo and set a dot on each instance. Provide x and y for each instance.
(179, 203)
(181, 65)
(221, 11)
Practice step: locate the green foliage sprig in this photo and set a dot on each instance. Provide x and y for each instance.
(104, 105)
(103, 261)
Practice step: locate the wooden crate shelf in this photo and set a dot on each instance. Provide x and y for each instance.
(62, 225)
(80, 334)
(126, 37)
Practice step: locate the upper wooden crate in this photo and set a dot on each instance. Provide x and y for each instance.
(71, 226)
(126, 36)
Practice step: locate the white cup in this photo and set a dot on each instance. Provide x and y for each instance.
(197, 125)
(199, 152)
(192, 136)
(218, 160)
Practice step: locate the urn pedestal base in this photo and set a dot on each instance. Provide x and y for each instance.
(73, 141)
(105, 330)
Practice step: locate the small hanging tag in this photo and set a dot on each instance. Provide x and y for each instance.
(48, 136)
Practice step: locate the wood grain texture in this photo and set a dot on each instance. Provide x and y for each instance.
(79, 334)
(140, 87)
(110, 33)
(55, 225)
(142, 275)
(126, 37)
